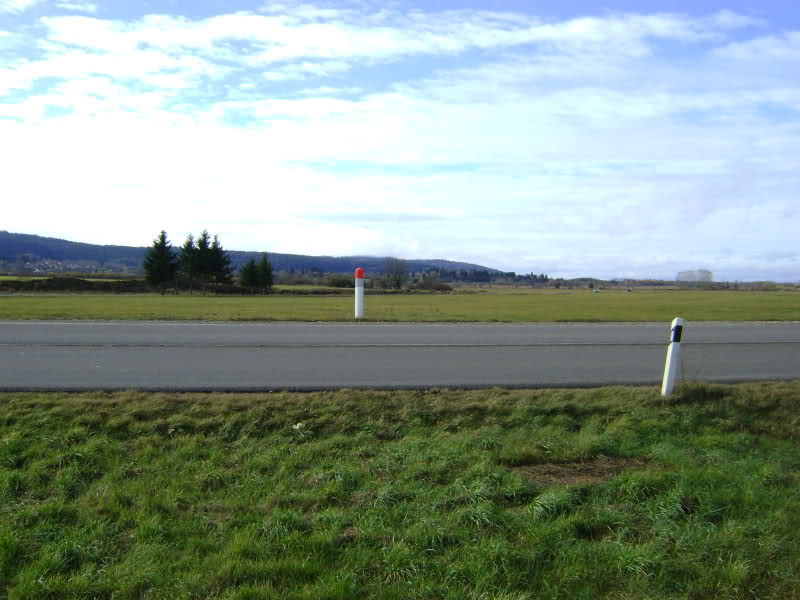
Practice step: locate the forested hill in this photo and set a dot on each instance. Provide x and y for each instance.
(20, 246)
(14, 246)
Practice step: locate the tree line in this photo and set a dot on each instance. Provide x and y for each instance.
(484, 276)
(203, 261)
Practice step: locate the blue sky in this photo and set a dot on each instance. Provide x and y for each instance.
(575, 138)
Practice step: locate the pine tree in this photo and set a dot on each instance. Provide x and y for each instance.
(248, 274)
(160, 264)
(204, 263)
(221, 269)
(264, 273)
(188, 260)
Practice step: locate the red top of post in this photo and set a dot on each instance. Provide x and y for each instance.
(359, 273)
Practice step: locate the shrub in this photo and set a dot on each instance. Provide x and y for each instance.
(340, 280)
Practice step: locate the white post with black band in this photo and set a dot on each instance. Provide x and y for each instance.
(673, 357)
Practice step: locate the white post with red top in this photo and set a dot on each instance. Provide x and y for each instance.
(359, 293)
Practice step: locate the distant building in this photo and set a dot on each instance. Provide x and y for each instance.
(698, 275)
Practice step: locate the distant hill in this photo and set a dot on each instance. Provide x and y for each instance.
(21, 246)
(16, 245)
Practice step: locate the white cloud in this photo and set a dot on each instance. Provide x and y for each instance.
(170, 51)
(330, 92)
(300, 34)
(17, 6)
(87, 7)
(728, 19)
(785, 47)
(306, 70)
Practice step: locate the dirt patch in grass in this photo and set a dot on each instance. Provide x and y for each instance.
(348, 535)
(596, 470)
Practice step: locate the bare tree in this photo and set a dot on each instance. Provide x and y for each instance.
(396, 272)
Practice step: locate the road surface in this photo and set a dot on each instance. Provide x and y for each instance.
(79, 355)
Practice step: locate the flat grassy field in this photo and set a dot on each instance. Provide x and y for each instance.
(500, 305)
(43, 277)
(22, 278)
(494, 494)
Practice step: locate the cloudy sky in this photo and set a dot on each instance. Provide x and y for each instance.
(571, 137)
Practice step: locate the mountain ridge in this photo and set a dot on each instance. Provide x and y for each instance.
(16, 246)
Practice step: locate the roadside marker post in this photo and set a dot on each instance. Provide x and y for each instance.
(359, 293)
(673, 357)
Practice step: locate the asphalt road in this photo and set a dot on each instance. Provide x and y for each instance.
(75, 355)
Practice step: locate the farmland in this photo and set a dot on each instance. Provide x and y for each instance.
(498, 304)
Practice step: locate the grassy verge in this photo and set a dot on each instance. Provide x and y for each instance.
(545, 306)
(76, 275)
(606, 493)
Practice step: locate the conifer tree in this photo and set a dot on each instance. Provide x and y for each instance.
(188, 260)
(220, 263)
(264, 273)
(160, 263)
(248, 274)
(204, 263)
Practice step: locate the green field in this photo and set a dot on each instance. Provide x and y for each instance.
(495, 305)
(508, 495)
(43, 277)
(22, 278)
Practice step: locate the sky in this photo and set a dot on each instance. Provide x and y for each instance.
(571, 137)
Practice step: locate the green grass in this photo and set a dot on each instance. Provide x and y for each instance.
(22, 277)
(43, 277)
(606, 493)
(302, 287)
(524, 306)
